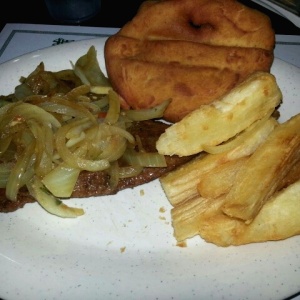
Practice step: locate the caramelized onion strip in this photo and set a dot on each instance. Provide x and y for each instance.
(67, 107)
(113, 112)
(144, 159)
(147, 114)
(15, 177)
(50, 203)
(71, 158)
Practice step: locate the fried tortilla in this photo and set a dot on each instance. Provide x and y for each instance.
(191, 52)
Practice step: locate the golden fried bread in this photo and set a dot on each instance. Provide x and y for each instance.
(213, 22)
(189, 51)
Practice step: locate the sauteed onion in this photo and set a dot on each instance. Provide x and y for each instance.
(75, 122)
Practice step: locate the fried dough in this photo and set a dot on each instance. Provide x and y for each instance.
(191, 52)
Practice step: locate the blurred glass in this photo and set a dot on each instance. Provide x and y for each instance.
(73, 11)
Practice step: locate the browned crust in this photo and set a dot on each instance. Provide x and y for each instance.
(190, 51)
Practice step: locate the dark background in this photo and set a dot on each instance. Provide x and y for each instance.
(112, 14)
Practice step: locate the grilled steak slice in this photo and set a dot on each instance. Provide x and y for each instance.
(98, 183)
(7, 206)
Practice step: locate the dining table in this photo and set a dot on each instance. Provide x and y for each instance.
(27, 26)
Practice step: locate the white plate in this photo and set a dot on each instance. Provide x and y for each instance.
(123, 247)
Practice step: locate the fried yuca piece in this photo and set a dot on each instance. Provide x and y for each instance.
(278, 219)
(209, 125)
(261, 175)
(188, 216)
(181, 184)
(220, 179)
(204, 215)
(292, 176)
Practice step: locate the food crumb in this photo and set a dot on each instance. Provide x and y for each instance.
(162, 209)
(142, 192)
(162, 218)
(122, 249)
(182, 244)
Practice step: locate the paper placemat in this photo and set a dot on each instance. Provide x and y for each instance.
(19, 39)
